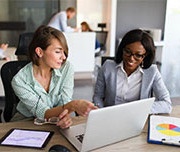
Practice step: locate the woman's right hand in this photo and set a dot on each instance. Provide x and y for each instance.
(83, 107)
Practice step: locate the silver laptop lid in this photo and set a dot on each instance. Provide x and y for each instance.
(115, 123)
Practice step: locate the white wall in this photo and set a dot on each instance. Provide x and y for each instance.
(99, 11)
(91, 11)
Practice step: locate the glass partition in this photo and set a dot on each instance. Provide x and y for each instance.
(32, 13)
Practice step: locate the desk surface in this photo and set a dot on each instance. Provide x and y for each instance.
(138, 143)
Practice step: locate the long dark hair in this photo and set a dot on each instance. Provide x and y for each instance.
(146, 40)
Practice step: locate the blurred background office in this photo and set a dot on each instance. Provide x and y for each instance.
(19, 16)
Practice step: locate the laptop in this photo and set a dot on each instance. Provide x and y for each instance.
(108, 125)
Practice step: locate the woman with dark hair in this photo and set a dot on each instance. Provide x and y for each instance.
(132, 76)
(45, 85)
(86, 28)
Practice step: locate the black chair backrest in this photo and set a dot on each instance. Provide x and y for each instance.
(104, 58)
(8, 71)
(23, 44)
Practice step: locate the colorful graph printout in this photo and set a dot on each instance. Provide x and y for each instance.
(164, 129)
(168, 129)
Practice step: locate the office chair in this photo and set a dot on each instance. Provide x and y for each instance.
(104, 58)
(101, 37)
(0, 115)
(23, 44)
(8, 71)
(102, 26)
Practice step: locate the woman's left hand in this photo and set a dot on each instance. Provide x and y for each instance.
(65, 120)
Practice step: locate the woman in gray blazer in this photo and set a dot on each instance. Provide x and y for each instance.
(132, 76)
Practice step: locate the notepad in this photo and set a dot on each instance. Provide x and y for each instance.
(164, 130)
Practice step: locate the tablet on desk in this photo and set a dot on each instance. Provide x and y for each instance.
(26, 138)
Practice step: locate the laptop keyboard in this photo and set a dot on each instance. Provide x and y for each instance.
(80, 137)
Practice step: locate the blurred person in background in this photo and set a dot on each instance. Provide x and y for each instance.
(59, 20)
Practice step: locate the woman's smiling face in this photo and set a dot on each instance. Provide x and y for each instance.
(133, 55)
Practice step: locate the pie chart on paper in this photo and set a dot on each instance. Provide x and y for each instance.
(168, 129)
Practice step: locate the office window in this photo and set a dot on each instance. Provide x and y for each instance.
(31, 12)
(171, 51)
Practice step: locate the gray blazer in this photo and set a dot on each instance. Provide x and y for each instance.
(105, 88)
